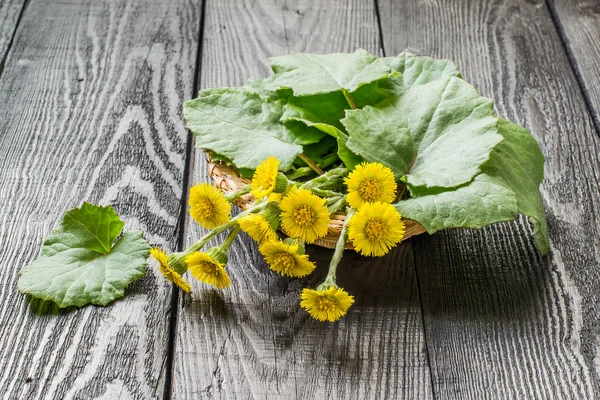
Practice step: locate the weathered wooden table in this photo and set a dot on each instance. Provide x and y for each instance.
(91, 96)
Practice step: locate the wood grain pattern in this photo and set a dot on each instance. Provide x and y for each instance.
(10, 10)
(500, 321)
(91, 99)
(579, 22)
(252, 340)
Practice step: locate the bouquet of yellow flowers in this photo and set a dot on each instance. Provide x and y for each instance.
(383, 140)
(372, 224)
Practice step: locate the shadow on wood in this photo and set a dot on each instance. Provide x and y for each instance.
(255, 336)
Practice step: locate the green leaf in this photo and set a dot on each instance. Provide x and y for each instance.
(80, 262)
(408, 71)
(317, 151)
(438, 134)
(413, 70)
(325, 108)
(243, 126)
(350, 159)
(487, 199)
(520, 162)
(258, 86)
(309, 74)
(508, 186)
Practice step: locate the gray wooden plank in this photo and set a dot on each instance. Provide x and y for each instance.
(90, 104)
(252, 340)
(502, 322)
(10, 10)
(579, 23)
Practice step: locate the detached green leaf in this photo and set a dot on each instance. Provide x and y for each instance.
(244, 126)
(80, 263)
(438, 134)
(309, 74)
(520, 162)
(486, 200)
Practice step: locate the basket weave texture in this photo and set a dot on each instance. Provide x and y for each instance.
(227, 180)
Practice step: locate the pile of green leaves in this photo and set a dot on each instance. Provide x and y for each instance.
(460, 165)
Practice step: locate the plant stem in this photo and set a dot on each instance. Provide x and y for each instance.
(328, 160)
(325, 193)
(402, 190)
(259, 205)
(300, 173)
(338, 253)
(311, 164)
(336, 204)
(177, 260)
(232, 197)
(349, 99)
(230, 238)
(326, 177)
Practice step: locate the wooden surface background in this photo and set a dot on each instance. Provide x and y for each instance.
(91, 94)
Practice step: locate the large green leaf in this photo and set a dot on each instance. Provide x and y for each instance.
(519, 160)
(308, 74)
(437, 134)
(244, 126)
(408, 70)
(485, 200)
(417, 70)
(81, 264)
(508, 186)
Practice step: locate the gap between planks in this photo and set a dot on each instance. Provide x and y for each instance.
(564, 40)
(182, 221)
(6, 50)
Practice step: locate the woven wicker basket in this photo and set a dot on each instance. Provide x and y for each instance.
(226, 179)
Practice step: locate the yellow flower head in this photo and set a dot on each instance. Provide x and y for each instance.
(285, 259)
(206, 268)
(167, 271)
(370, 183)
(208, 207)
(375, 229)
(275, 197)
(257, 227)
(304, 215)
(266, 179)
(326, 304)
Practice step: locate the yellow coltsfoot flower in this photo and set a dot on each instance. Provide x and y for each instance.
(287, 258)
(209, 267)
(304, 215)
(257, 227)
(208, 207)
(267, 179)
(370, 183)
(326, 304)
(275, 197)
(262, 226)
(375, 229)
(168, 272)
